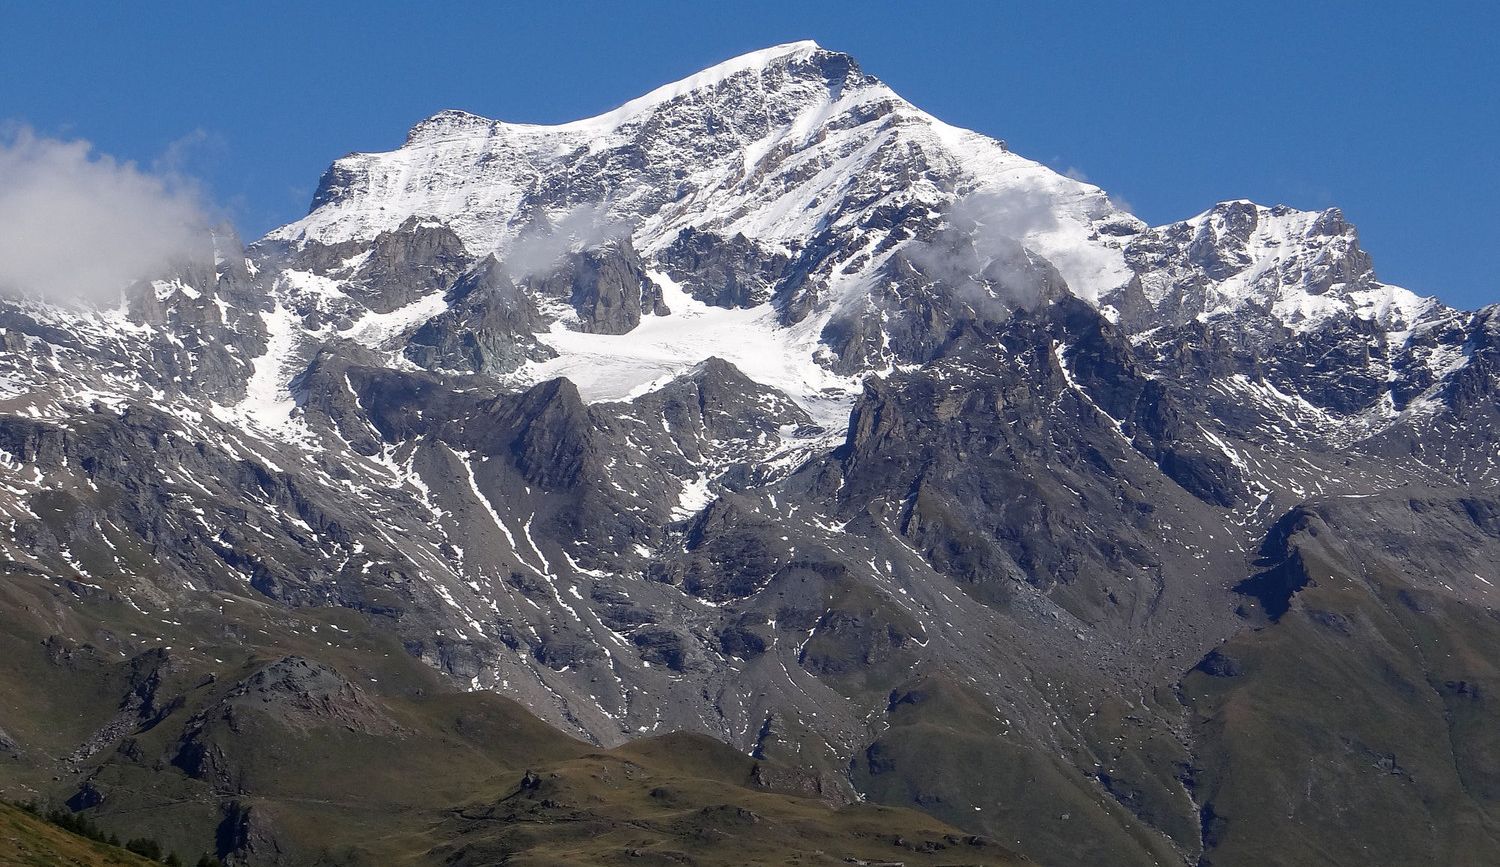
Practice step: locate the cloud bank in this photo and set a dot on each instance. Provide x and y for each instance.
(78, 227)
(541, 245)
(980, 256)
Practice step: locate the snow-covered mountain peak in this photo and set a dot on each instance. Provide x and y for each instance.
(454, 123)
(792, 214)
(783, 191)
(448, 123)
(778, 145)
(754, 65)
(1300, 268)
(758, 62)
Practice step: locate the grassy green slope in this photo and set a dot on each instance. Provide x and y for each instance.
(29, 841)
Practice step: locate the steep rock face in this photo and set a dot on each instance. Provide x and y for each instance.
(1449, 378)
(489, 326)
(926, 292)
(209, 305)
(324, 391)
(606, 286)
(1148, 412)
(192, 330)
(416, 258)
(723, 272)
(723, 424)
(1000, 490)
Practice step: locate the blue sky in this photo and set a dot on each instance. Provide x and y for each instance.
(1388, 110)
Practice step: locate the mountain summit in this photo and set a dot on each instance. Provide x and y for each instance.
(770, 409)
(780, 145)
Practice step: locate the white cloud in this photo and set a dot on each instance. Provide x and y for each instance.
(980, 255)
(543, 243)
(76, 226)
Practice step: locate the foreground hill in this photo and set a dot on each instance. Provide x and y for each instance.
(295, 737)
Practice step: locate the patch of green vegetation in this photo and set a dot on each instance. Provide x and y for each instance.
(946, 749)
(30, 840)
(687, 799)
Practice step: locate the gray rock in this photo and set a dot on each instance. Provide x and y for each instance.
(606, 286)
